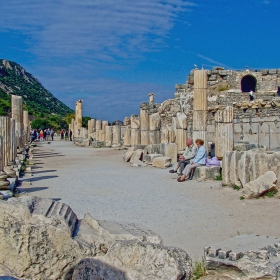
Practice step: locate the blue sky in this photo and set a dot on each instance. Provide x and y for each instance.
(111, 54)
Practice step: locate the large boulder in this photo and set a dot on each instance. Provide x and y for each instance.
(130, 260)
(43, 239)
(260, 186)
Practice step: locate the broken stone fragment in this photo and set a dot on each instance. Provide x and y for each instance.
(260, 186)
(129, 260)
(161, 162)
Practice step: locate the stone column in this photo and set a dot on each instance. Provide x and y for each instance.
(135, 130)
(145, 127)
(98, 126)
(5, 132)
(4, 183)
(155, 123)
(72, 127)
(151, 97)
(78, 117)
(127, 136)
(181, 131)
(108, 136)
(116, 134)
(200, 105)
(17, 114)
(224, 131)
(103, 134)
(89, 127)
(13, 141)
(26, 126)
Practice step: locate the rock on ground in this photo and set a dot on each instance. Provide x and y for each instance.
(260, 186)
(135, 260)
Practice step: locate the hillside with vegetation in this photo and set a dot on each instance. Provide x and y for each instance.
(43, 107)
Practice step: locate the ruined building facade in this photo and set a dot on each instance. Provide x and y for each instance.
(213, 105)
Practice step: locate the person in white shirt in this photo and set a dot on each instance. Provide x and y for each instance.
(184, 159)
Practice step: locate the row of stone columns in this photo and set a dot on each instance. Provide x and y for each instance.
(14, 134)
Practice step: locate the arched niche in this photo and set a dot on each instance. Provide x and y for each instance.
(248, 83)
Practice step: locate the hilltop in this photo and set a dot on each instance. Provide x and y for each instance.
(37, 100)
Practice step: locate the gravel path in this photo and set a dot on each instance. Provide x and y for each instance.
(187, 215)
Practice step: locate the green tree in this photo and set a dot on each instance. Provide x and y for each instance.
(69, 117)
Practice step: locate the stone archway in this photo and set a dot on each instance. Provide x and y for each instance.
(248, 83)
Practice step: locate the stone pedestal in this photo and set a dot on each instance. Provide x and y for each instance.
(224, 131)
(200, 105)
(108, 136)
(127, 136)
(116, 134)
(169, 150)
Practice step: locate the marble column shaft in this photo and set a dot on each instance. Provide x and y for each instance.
(154, 124)
(26, 126)
(5, 132)
(108, 136)
(224, 139)
(116, 134)
(145, 127)
(78, 116)
(127, 136)
(17, 114)
(135, 130)
(13, 142)
(200, 105)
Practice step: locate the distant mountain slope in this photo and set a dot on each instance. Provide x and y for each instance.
(37, 100)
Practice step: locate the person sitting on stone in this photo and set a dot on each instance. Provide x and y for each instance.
(184, 159)
(198, 160)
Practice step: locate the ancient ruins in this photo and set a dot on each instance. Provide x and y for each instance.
(213, 105)
(48, 241)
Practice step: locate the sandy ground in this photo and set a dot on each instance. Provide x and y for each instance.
(188, 215)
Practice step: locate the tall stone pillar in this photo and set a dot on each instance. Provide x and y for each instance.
(108, 136)
(127, 136)
(135, 130)
(93, 125)
(116, 134)
(5, 132)
(224, 131)
(200, 105)
(155, 123)
(13, 141)
(4, 183)
(17, 114)
(145, 127)
(26, 126)
(78, 117)
(151, 97)
(181, 131)
(103, 134)
(72, 127)
(89, 127)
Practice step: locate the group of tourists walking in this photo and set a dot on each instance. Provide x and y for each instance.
(42, 134)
